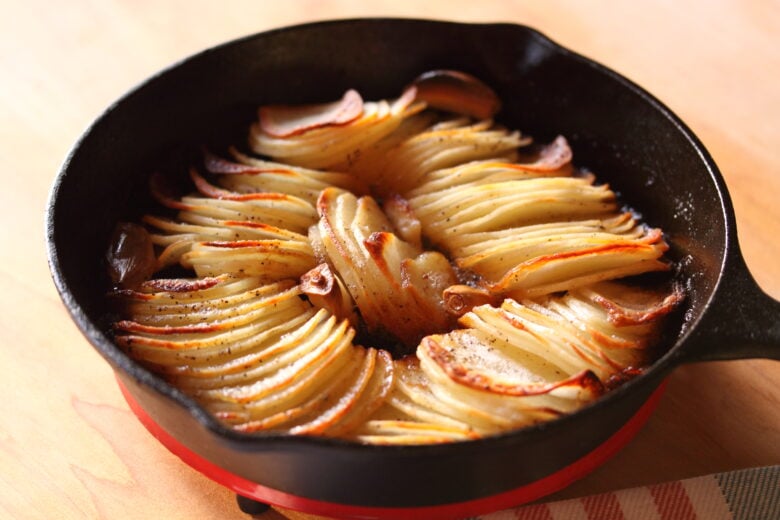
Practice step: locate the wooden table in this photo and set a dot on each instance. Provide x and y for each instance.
(70, 448)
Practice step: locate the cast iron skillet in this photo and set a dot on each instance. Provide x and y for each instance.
(616, 129)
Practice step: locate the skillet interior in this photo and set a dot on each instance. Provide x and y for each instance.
(615, 129)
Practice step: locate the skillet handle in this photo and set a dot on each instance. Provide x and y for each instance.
(742, 321)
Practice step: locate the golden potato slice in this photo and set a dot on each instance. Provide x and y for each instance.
(310, 357)
(537, 336)
(441, 146)
(287, 120)
(316, 410)
(412, 400)
(371, 399)
(418, 384)
(269, 259)
(496, 206)
(570, 270)
(206, 322)
(199, 346)
(251, 175)
(288, 388)
(334, 144)
(467, 244)
(471, 358)
(395, 285)
(408, 432)
(270, 351)
(475, 173)
(340, 401)
(175, 291)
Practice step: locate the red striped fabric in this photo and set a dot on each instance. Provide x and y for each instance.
(534, 512)
(672, 501)
(603, 507)
(737, 495)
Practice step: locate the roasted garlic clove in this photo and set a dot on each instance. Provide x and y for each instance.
(456, 92)
(326, 291)
(130, 256)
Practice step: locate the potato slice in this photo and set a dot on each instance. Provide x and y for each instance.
(412, 397)
(409, 432)
(269, 259)
(308, 362)
(318, 409)
(396, 286)
(206, 320)
(474, 360)
(557, 272)
(288, 388)
(371, 399)
(342, 401)
(405, 165)
(472, 173)
(496, 206)
(287, 120)
(199, 343)
(334, 144)
(425, 389)
(251, 175)
(271, 350)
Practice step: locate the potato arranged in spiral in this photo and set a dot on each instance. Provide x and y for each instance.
(394, 272)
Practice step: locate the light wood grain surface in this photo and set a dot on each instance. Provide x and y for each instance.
(70, 448)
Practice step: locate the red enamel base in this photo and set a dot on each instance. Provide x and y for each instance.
(530, 492)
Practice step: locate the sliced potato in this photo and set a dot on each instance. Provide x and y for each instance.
(371, 399)
(490, 260)
(396, 286)
(332, 145)
(404, 163)
(270, 259)
(410, 432)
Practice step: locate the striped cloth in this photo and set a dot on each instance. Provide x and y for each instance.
(751, 494)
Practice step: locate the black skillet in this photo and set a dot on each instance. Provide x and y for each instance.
(616, 129)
